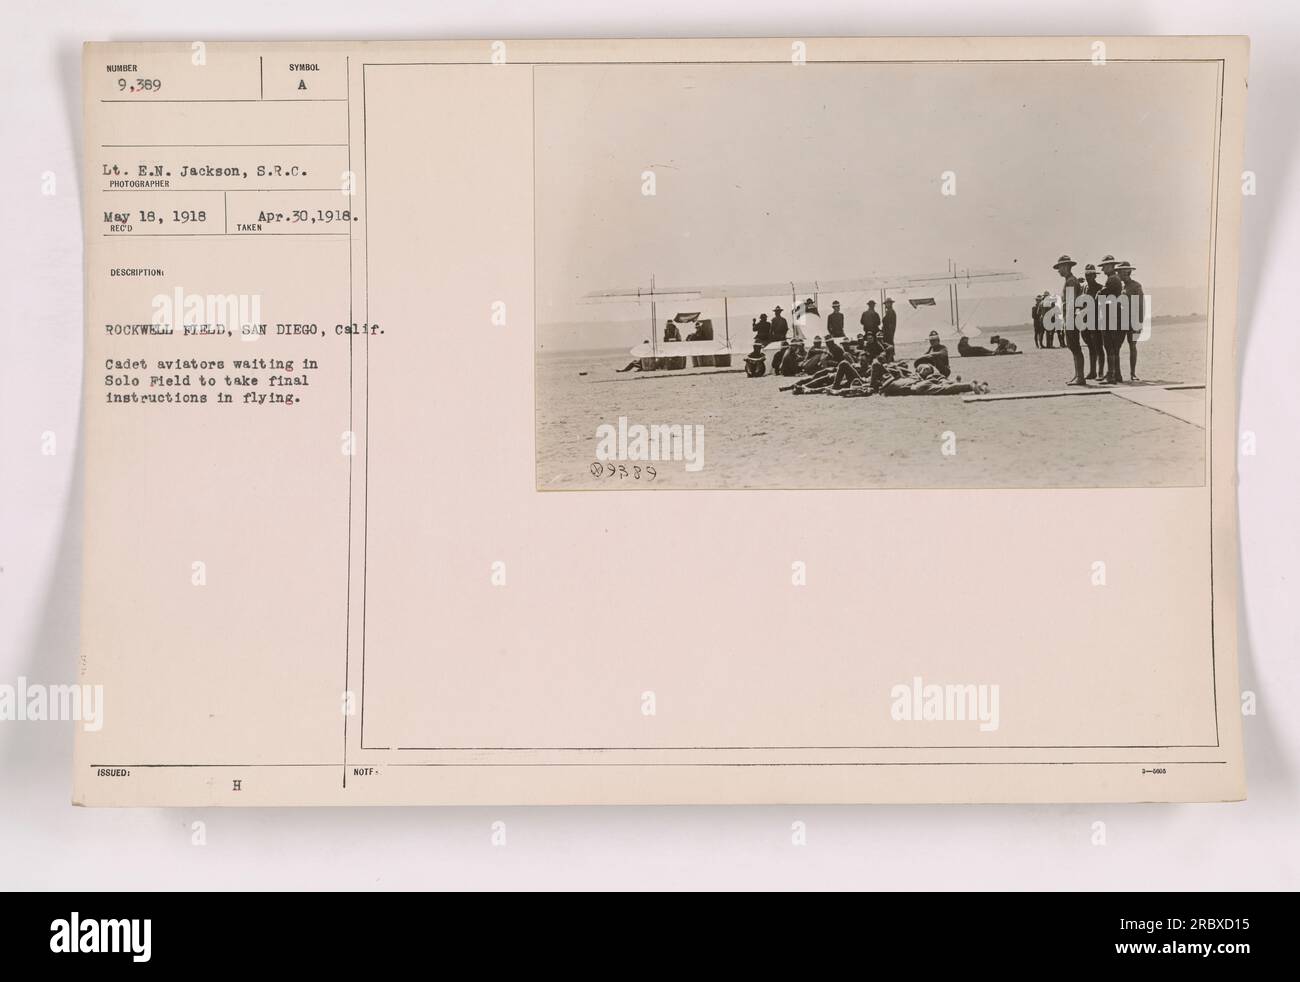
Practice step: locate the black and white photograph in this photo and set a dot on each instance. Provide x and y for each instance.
(1027, 245)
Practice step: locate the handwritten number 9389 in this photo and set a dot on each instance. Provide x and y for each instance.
(623, 472)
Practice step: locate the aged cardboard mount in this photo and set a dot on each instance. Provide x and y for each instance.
(374, 331)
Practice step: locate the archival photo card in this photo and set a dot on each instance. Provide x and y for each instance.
(934, 338)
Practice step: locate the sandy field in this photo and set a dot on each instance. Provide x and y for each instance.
(758, 437)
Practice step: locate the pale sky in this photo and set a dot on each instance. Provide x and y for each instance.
(772, 172)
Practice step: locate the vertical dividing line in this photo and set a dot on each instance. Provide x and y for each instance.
(261, 84)
(365, 470)
(532, 122)
(347, 615)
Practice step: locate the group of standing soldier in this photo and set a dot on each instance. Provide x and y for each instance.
(794, 357)
(1100, 313)
(860, 366)
(873, 324)
(1115, 312)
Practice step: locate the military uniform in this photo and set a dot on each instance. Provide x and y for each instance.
(1137, 308)
(888, 324)
(937, 358)
(870, 321)
(1070, 292)
(1094, 337)
(778, 357)
(1108, 321)
(835, 324)
(1136, 311)
(792, 362)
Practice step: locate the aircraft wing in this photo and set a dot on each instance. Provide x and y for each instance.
(680, 349)
(805, 288)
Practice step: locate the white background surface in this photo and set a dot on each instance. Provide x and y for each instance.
(45, 843)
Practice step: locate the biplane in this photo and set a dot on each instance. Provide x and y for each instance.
(694, 350)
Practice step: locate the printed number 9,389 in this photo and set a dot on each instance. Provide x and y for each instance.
(139, 85)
